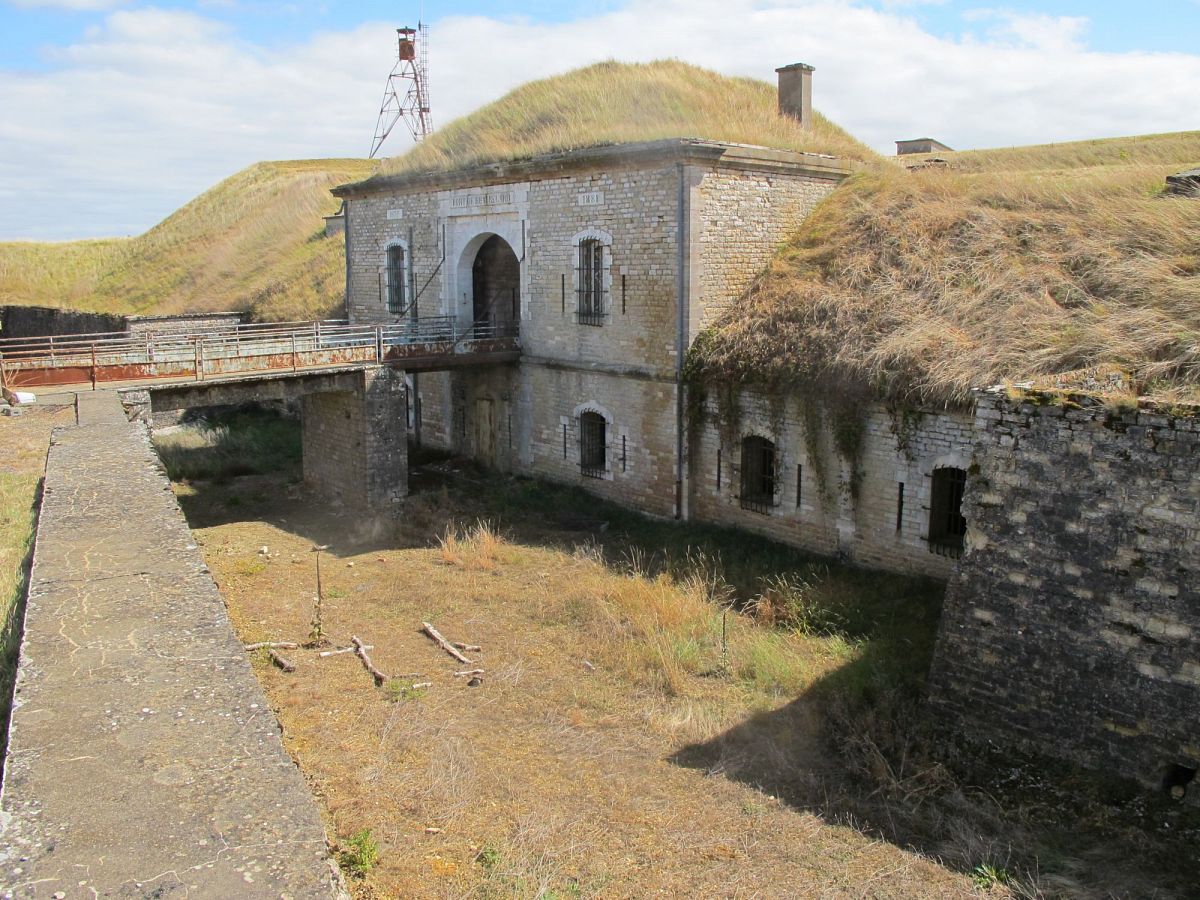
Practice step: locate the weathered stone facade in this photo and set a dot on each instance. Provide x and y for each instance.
(681, 228)
(354, 442)
(1073, 623)
(874, 510)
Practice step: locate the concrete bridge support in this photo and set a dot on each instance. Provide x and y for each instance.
(354, 430)
(355, 442)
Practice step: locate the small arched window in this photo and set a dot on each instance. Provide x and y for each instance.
(947, 527)
(593, 444)
(590, 282)
(396, 293)
(758, 474)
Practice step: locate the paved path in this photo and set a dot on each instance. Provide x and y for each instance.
(143, 758)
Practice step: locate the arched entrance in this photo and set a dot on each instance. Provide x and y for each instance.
(495, 287)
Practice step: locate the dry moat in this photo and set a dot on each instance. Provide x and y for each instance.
(628, 738)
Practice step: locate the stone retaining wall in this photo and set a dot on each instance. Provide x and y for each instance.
(1073, 623)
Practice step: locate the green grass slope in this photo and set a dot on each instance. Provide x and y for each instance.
(615, 103)
(1002, 265)
(254, 242)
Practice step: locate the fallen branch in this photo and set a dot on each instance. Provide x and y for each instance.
(361, 649)
(284, 664)
(271, 645)
(344, 650)
(444, 644)
(466, 648)
(468, 673)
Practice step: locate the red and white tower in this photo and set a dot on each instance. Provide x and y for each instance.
(406, 94)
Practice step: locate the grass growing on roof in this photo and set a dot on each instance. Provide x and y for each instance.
(921, 285)
(615, 103)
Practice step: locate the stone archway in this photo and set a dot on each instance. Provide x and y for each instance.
(495, 286)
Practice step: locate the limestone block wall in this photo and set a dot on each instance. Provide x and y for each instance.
(1073, 624)
(815, 505)
(739, 219)
(534, 415)
(184, 324)
(633, 212)
(640, 434)
(355, 449)
(331, 438)
(374, 223)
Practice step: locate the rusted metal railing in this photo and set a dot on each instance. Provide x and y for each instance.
(240, 350)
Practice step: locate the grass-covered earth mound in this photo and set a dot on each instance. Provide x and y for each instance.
(620, 103)
(997, 265)
(254, 242)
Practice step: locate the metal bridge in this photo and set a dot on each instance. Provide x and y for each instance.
(436, 342)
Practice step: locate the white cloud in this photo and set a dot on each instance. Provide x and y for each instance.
(153, 106)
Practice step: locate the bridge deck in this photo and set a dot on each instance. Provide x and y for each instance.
(143, 758)
(436, 342)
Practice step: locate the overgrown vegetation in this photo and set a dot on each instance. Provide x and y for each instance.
(225, 443)
(917, 286)
(360, 854)
(254, 242)
(614, 103)
(18, 494)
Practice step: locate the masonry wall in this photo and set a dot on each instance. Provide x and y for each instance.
(624, 363)
(43, 321)
(815, 505)
(375, 222)
(190, 324)
(739, 220)
(355, 449)
(1073, 624)
(331, 437)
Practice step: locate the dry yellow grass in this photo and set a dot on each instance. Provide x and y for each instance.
(615, 103)
(555, 777)
(921, 285)
(254, 242)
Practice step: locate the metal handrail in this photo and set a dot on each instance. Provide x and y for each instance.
(241, 341)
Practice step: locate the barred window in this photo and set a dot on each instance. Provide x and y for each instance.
(758, 474)
(590, 305)
(395, 279)
(947, 527)
(593, 440)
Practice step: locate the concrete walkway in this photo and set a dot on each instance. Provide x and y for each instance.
(143, 758)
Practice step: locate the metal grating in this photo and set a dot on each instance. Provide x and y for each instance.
(593, 449)
(758, 475)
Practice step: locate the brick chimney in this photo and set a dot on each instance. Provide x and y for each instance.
(795, 92)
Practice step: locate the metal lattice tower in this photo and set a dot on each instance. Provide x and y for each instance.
(406, 94)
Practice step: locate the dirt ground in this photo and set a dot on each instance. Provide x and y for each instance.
(558, 776)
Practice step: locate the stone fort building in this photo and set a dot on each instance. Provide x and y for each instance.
(1073, 621)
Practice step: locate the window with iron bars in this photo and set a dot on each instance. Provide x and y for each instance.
(593, 441)
(947, 526)
(589, 278)
(396, 300)
(758, 474)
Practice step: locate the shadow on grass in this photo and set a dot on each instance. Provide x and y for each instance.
(1029, 825)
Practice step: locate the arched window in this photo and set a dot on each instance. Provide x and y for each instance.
(947, 527)
(396, 293)
(758, 474)
(593, 444)
(590, 282)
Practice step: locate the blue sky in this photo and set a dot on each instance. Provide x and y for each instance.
(114, 112)
(29, 28)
